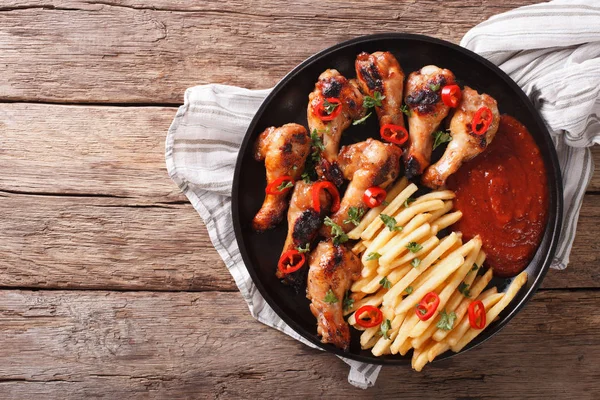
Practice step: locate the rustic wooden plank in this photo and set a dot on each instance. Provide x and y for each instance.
(206, 345)
(108, 151)
(136, 51)
(104, 243)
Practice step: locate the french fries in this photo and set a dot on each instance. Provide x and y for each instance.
(404, 261)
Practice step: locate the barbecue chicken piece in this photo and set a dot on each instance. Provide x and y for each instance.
(381, 72)
(327, 119)
(304, 223)
(365, 164)
(424, 100)
(284, 151)
(465, 144)
(331, 273)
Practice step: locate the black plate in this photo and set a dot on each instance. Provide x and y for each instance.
(288, 102)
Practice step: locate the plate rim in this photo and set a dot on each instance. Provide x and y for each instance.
(554, 164)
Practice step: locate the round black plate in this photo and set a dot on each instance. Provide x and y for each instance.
(288, 102)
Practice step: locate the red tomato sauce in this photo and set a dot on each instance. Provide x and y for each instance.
(503, 196)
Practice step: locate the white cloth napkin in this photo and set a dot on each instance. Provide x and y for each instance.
(552, 50)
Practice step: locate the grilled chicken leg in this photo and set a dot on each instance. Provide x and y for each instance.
(331, 273)
(465, 144)
(365, 164)
(381, 72)
(303, 225)
(284, 150)
(423, 98)
(332, 84)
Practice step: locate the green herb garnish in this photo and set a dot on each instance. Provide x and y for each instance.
(385, 327)
(373, 256)
(434, 87)
(390, 222)
(446, 320)
(362, 120)
(415, 262)
(330, 107)
(409, 290)
(413, 247)
(370, 102)
(284, 185)
(385, 282)
(348, 301)
(330, 297)
(440, 137)
(354, 215)
(464, 289)
(405, 110)
(338, 233)
(409, 201)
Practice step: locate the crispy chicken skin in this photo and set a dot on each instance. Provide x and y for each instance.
(365, 164)
(423, 98)
(303, 226)
(381, 72)
(465, 145)
(331, 268)
(332, 84)
(284, 151)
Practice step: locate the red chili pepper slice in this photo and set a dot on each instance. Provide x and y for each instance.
(323, 114)
(482, 120)
(374, 196)
(451, 95)
(394, 133)
(373, 313)
(291, 261)
(273, 187)
(477, 312)
(427, 306)
(316, 195)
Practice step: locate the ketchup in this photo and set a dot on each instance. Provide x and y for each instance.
(503, 196)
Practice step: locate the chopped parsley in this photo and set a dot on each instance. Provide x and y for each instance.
(405, 110)
(385, 283)
(330, 297)
(373, 256)
(385, 328)
(440, 137)
(480, 272)
(409, 201)
(375, 101)
(385, 203)
(434, 87)
(348, 301)
(413, 247)
(306, 177)
(446, 320)
(415, 262)
(362, 120)
(354, 215)
(330, 107)
(338, 233)
(390, 222)
(316, 141)
(304, 249)
(284, 185)
(464, 289)
(409, 290)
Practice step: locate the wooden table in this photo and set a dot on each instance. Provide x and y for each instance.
(109, 284)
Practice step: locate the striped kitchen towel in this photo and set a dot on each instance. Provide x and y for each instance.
(552, 50)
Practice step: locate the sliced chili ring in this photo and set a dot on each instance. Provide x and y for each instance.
(394, 134)
(323, 114)
(374, 196)
(373, 313)
(316, 195)
(291, 261)
(477, 317)
(427, 306)
(482, 120)
(273, 187)
(451, 95)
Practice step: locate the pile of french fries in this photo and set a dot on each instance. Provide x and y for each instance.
(445, 265)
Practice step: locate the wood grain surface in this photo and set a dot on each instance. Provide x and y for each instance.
(109, 285)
